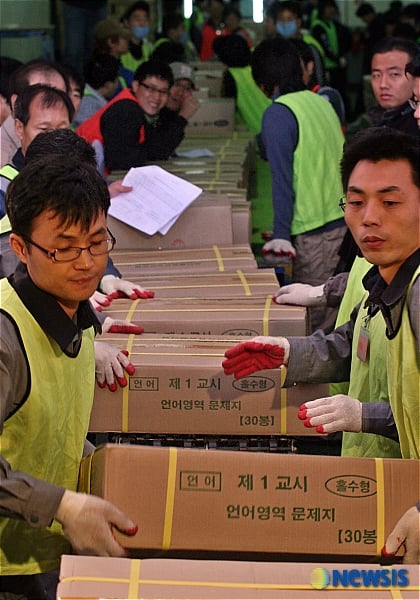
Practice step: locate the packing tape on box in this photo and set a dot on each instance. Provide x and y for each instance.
(380, 505)
(124, 403)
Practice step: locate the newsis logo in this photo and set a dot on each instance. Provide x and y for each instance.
(359, 578)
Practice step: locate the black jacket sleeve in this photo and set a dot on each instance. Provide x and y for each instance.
(165, 135)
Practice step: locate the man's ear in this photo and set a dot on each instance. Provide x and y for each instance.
(135, 85)
(19, 129)
(19, 247)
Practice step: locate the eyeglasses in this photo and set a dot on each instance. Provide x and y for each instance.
(154, 90)
(342, 203)
(414, 103)
(185, 87)
(73, 252)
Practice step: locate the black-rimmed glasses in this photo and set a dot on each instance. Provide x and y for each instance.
(154, 90)
(73, 252)
(342, 202)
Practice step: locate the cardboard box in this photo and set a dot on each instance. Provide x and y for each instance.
(179, 387)
(235, 284)
(245, 317)
(188, 500)
(215, 116)
(203, 223)
(94, 577)
(212, 259)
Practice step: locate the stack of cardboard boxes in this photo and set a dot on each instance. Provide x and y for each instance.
(307, 515)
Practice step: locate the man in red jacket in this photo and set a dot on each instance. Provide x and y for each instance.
(135, 127)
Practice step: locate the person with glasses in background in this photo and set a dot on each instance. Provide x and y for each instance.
(136, 127)
(57, 208)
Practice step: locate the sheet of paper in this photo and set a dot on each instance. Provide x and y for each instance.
(196, 153)
(157, 200)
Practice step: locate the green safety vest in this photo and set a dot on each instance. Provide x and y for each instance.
(404, 385)
(316, 198)
(129, 62)
(309, 39)
(8, 172)
(332, 39)
(369, 383)
(251, 102)
(45, 436)
(353, 294)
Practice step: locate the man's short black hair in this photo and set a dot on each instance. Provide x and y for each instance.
(276, 63)
(141, 5)
(101, 69)
(154, 68)
(49, 97)
(380, 143)
(292, 6)
(70, 189)
(413, 67)
(60, 142)
(365, 9)
(390, 44)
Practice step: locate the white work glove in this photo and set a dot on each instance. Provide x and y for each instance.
(262, 352)
(87, 523)
(114, 287)
(301, 294)
(119, 326)
(109, 364)
(99, 300)
(407, 532)
(279, 247)
(334, 413)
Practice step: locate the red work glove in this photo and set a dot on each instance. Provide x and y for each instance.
(109, 365)
(407, 532)
(114, 287)
(260, 353)
(117, 326)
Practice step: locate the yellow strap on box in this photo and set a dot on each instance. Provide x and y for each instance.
(219, 258)
(380, 505)
(266, 315)
(244, 282)
(126, 389)
(283, 401)
(170, 499)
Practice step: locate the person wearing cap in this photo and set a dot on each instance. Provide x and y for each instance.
(181, 99)
(111, 37)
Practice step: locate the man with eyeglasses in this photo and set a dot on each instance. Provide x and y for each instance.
(377, 350)
(57, 208)
(136, 127)
(40, 109)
